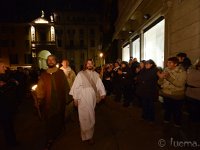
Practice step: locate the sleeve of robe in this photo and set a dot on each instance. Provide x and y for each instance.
(76, 88)
(100, 87)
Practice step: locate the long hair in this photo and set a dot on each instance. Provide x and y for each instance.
(85, 65)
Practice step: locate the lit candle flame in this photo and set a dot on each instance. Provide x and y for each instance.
(34, 87)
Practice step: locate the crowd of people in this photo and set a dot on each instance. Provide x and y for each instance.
(13, 88)
(60, 89)
(178, 84)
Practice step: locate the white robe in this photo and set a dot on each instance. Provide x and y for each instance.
(83, 92)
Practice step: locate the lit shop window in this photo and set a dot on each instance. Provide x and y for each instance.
(154, 43)
(136, 49)
(126, 53)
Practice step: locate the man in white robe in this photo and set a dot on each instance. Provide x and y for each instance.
(85, 90)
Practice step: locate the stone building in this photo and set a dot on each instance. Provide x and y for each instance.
(72, 35)
(144, 29)
(174, 23)
(79, 36)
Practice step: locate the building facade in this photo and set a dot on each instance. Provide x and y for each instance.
(79, 36)
(71, 35)
(15, 44)
(158, 29)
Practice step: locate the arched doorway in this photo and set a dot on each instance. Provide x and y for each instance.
(42, 57)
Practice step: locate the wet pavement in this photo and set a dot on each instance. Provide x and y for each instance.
(117, 128)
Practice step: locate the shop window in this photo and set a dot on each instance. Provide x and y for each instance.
(126, 53)
(154, 43)
(136, 48)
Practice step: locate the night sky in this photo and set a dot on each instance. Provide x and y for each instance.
(27, 10)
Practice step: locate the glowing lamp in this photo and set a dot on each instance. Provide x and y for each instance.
(34, 87)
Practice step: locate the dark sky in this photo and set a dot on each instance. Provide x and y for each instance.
(30, 9)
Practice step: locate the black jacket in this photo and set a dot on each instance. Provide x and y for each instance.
(146, 84)
(8, 92)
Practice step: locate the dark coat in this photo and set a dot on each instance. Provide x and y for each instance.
(55, 88)
(146, 83)
(8, 93)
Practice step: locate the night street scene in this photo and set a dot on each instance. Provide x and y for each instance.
(100, 75)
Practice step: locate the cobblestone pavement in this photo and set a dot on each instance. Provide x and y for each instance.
(117, 128)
